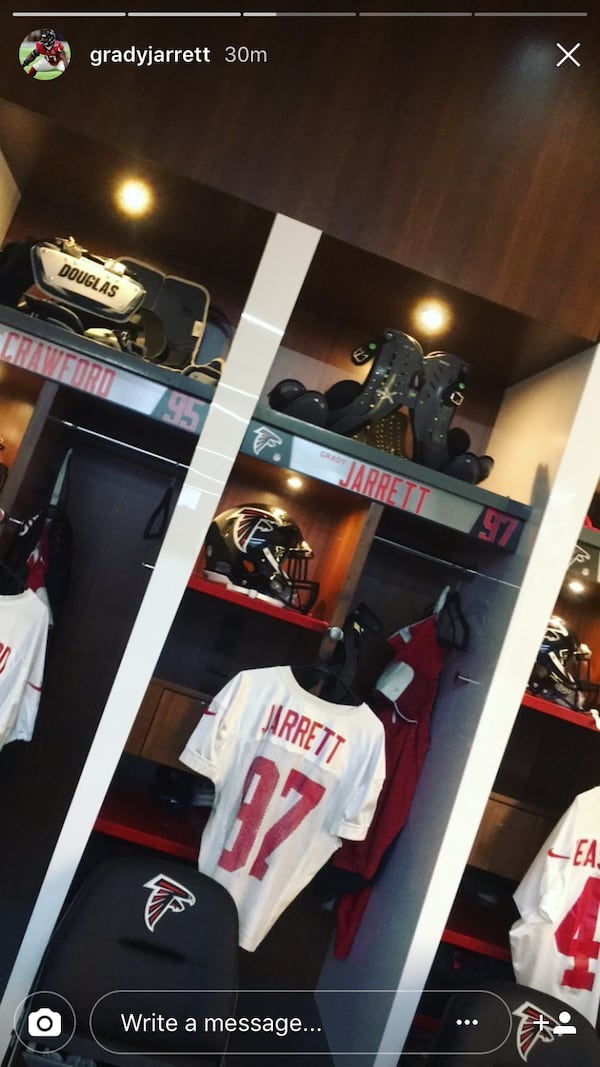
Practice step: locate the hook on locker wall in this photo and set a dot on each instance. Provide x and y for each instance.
(5, 517)
(465, 680)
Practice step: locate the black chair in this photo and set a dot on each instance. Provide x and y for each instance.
(521, 1022)
(153, 926)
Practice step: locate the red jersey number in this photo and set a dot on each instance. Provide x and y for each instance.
(261, 782)
(497, 528)
(574, 937)
(183, 411)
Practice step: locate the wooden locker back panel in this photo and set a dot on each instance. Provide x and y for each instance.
(18, 395)
(143, 719)
(332, 521)
(509, 837)
(177, 714)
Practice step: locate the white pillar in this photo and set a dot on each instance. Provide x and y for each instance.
(281, 272)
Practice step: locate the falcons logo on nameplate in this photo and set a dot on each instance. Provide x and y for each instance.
(265, 438)
(534, 1025)
(167, 895)
(249, 523)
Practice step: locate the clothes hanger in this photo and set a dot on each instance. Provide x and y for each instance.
(156, 526)
(453, 630)
(441, 600)
(430, 610)
(308, 675)
(340, 669)
(60, 489)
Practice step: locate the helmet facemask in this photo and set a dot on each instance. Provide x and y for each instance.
(292, 584)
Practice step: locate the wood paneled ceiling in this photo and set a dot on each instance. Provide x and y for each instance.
(67, 183)
(217, 239)
(454, 147)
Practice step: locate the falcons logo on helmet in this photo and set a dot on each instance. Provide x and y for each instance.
(265, 438)
(166, 895)
(534, 1025)
(249, 523)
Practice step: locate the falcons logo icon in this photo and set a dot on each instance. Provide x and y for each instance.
(265, 438)
(166, 895)
(250, 523)
(534, 1025)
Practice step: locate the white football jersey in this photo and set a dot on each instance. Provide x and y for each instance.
(293, 774)
(556, 943)
(23, 635)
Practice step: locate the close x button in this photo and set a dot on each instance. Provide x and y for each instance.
(568, 54)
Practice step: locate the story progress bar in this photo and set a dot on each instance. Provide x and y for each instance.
(298, 14)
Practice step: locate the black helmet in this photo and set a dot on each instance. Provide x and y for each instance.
(551, 678)
(48, 38)
(249, 545)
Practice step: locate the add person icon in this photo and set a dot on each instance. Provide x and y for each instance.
(565, 1026)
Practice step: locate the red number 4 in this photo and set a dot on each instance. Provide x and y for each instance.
(574, 936)
(261, 782)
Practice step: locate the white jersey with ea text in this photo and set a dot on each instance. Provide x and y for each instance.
(293, 774)
(23, 635)
(556, 944)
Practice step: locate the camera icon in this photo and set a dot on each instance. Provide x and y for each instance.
(44, 1023)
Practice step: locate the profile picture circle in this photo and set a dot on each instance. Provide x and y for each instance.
(44, 54)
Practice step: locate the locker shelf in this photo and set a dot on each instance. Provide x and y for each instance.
(546, 707)
(221, 592)
(132, 815)
(479, 928)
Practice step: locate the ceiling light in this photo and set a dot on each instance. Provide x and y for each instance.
(576, 586)
(431, 317)
(294, 482)
(134, 197)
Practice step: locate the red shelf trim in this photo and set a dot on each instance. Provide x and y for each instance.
(221, 592)
(133, 816)
(476, 944)
(548, 708)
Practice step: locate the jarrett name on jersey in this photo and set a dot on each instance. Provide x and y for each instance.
(293, 775)
(308, 734)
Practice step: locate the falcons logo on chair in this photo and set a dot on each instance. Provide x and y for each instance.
(534, 1025)
(166, 895)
